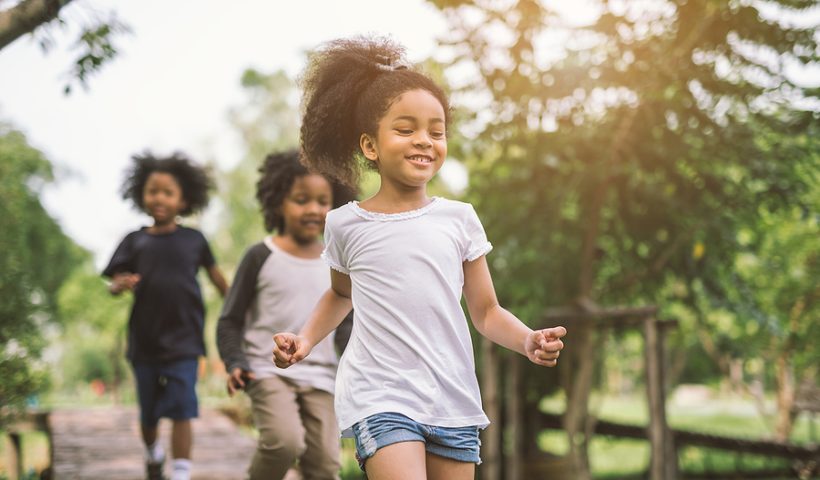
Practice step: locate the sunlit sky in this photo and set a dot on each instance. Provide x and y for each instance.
(170, 89)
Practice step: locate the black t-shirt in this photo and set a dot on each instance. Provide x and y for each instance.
(168, 316)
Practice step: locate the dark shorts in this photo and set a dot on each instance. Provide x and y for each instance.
(166, 390)
(382, 429)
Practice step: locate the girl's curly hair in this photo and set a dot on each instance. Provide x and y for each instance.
(348, 85)
(194, 180)
(278, 172)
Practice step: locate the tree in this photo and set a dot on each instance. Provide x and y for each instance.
(93, 324)
(609, 155)
(267, 122)
(35, 258)
(94, 42)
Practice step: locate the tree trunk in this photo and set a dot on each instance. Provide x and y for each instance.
(490, 437)
(785, 397)
(513, 430)
(25, 17)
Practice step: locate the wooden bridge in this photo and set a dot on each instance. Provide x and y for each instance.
(104, 443)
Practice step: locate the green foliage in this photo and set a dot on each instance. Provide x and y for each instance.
(618, 160)
(96, 48)
(268, 121)
(35, 258)
(94, 330)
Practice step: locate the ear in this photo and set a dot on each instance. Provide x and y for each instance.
(368, 146)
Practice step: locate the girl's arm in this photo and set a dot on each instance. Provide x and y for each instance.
(328, 314)
(215, 274)
(502, 327)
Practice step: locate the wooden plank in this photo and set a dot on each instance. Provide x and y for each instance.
(809, 453)
(104, 443)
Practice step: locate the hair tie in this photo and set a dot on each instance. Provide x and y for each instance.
(386, 65)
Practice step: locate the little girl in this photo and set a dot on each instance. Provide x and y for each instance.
(159, 264)
(406, 387)
(276, 286)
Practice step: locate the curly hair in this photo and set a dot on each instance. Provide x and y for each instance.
(348, 86)
(194, 180)
(278, 172)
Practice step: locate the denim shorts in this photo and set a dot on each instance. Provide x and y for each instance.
(383, 429)
(166, 390)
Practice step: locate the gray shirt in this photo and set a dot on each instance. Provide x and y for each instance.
(272, 292)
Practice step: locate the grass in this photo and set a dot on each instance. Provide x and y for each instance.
(610, 458)
(727, 416)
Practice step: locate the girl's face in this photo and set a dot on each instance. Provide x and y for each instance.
(162, 197)
(411, 142)
(304, 209)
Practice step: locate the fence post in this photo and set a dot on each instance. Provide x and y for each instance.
(663, 456)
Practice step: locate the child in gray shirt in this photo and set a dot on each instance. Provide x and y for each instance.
(276, 286)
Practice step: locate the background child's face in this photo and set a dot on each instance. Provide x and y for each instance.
(305, 207)
(411, 141)
(162, 197)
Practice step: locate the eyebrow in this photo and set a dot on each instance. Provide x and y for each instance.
(413, 119)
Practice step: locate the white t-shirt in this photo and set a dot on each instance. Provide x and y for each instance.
(410, 349)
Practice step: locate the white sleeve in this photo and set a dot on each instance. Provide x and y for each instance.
(476, 244)
(334, 250)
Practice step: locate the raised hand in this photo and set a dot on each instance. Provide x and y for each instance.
(544, 346)
(123, 281)
(289, 349)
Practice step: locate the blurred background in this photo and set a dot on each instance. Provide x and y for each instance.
(647, 170)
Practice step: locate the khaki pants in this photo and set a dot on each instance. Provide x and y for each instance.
(294, 423)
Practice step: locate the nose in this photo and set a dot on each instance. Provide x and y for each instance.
(314, 207)
(422, 140)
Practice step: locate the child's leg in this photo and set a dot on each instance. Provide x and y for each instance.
(440, 468)
(397, 461)
(321, 457)
(149, 435)
(181, 442)
(281, 434)
(181, 439)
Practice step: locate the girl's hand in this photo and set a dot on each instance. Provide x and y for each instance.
(544, 346)
(289, 349)
(238, 379)
(123, 281)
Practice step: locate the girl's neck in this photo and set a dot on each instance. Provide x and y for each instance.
(289, 244)
(390, 200)
(162, 228)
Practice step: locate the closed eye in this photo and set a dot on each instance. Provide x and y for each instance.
(404, 131)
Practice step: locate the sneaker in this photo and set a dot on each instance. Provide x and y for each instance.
(153, 470)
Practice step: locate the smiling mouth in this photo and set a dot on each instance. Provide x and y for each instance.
(423, 159)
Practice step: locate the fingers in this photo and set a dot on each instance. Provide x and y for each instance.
(284, 349)
(554, 332)
(546, 359)
(548, 346)
(237, 380)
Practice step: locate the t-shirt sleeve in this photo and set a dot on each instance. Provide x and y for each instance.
(207, 259)
(231, 324)
(476, 243)
(334, 249)
(123, 258)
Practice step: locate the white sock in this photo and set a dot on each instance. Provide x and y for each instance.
(182, 469)
(154, 453)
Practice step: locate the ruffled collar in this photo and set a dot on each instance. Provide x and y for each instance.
(392, 217)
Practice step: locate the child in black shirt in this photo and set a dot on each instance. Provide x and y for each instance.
(159, 265)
